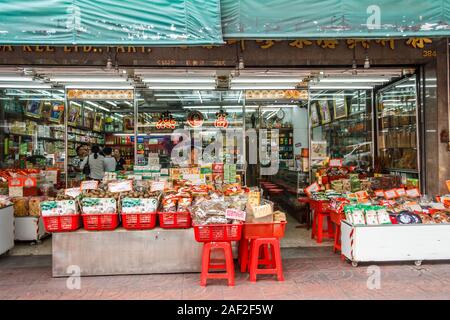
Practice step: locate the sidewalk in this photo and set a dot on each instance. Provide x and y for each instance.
(311, 273)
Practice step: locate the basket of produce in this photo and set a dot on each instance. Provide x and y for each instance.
(139, 213)
(175, 212)
(60, 215)
(218, 232)
(62, 223)
(99, 214)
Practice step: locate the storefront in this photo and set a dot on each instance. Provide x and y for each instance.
(322, 110)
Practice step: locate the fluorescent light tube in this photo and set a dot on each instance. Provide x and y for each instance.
(352, 80)
(259, 80)
(25, 86)
(180, 80)
(182, 87)
(88, 79)
(331, 87)
(98, 87)
(261, 86)
(16, 79)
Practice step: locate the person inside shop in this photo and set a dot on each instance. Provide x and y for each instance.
(93, 166)
(82, 152)
(110, 161)
(120, 161)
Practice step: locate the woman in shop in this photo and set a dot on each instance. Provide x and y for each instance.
(94, 165)
(120, 161)
(110, 161)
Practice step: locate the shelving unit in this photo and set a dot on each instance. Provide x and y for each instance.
(397, 129)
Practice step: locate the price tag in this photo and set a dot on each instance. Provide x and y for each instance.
(313, 188)
(89, 185)
(413, 193)
(390, 194)
(400, 192)
(157, 186)
(121, 186)
(415, 208)
(438, 206)
(379, 193)
(336, 163)
(235, 214)
(72, 192)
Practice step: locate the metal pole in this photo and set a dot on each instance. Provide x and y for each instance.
(308, 118)
(448, 90)
(135, 125)
(66, 140)
(244, 156)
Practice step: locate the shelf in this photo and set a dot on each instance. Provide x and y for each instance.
(402, 170)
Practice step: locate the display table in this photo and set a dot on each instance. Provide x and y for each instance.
(414, 242)
(29, 229)
(6, 229)
(126, 252)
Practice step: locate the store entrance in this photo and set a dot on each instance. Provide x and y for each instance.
(317, 123)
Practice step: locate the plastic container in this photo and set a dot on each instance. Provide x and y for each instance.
(100, 222)
(62, 223)
(175, 220)
(218, 232)
(139, 221)
(264, 230)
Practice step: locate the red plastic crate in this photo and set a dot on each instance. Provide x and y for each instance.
(62, 223)
(218, 232)
(264, 230)
(139, 221)
(100, 222)
(175, 220)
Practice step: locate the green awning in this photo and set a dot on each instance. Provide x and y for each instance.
(288, 19)
(199, 22)
(112, 22)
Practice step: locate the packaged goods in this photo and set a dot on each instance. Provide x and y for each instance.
(58, 208)
(383, 216)
(21, 207)
(136, 205)
(99, 205)
(35, 206)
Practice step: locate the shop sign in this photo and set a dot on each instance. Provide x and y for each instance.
(235, 214)
(166, 122)
(221, 120)
(88, 94)
(195, 119)
(276, 94)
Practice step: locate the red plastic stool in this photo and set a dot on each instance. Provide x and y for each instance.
(318, 229)
(274, 262)
(212, 264)
(264, 257)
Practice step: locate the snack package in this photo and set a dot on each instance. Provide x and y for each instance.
(59, 208)
(136, 205)
(383, 216)
(99, 205)
(371, 216)
(169, 203)
(35, 206)
(184, 202)
(20, 207)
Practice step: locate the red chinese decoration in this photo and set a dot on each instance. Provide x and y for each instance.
(221, 120)
(166, 122)
(195, 119)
